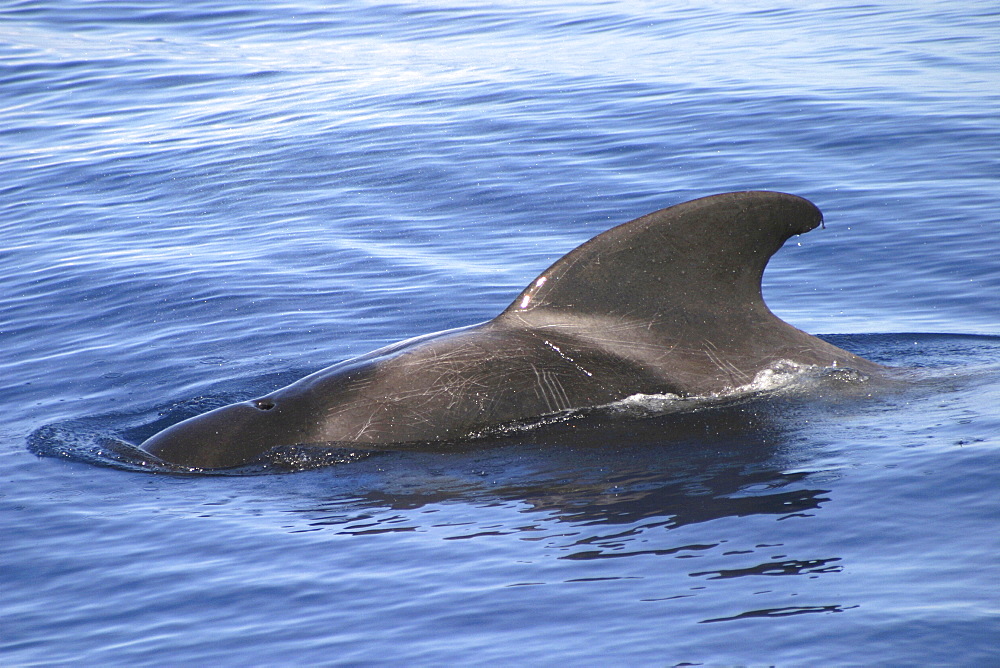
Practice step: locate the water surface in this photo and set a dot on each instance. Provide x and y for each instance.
(204, 201)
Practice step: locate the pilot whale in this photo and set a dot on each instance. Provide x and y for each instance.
(667, 303)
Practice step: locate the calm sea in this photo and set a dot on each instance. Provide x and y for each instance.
(205, 200)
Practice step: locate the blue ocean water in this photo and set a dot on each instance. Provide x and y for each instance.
(206, 200)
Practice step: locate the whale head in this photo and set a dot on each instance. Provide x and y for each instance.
(234, 435)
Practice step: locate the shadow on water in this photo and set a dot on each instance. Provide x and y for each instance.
(723, 460)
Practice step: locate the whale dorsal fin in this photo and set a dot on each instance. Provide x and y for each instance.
(691, 263)
(677, 293)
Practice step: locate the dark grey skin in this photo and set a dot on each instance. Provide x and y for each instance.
(667, 303)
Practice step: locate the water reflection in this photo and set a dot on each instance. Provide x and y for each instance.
(599, 500)
(720, 461)
(699, 507)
